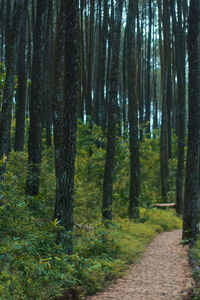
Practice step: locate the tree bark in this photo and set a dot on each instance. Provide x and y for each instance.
(148, 75)
(179, 34)
(22, 86)
(65, 117)
(8, 93)
(133, 112)
(165, 77)
(192, 190)
(35, 130)
(112, 116)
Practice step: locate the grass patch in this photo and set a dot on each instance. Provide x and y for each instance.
(166, 219)
(195, 260)
(33, 267)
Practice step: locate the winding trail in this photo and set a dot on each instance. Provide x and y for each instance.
(163, 273)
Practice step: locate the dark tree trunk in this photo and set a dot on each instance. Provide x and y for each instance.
(148, 74)
(133, 113)
(65, 116)
(35, 130)
(139, 76)
(124, 78)
(22, 86)
(48, 75)
(8, 26)
(82, 64)
(2, 54)
(112, 116)
(192, 190)
(98, 66)
(103, 62)
(165, 76)
(8, 93)
(90, 54)
(179, 33)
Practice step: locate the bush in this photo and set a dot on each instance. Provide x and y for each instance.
(32, 265)
(167, 220)
(195, 260)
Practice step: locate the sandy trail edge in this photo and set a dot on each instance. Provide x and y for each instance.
(163, 273)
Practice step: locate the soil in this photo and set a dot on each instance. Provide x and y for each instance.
(162, 273)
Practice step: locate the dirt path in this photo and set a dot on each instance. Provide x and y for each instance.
(163, 273)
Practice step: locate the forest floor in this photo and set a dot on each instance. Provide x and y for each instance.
(162, 273)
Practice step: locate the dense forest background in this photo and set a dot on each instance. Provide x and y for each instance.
(95, 100)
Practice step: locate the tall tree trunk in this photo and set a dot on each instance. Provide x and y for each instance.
(8, 93)
(179, 33)
(22, 86)
(99, 64)
(35, 130)
(165, 75)
(2, 55)
(139, 75)
(124, 79)
(192, 190)
(112, 118)
(103, 63)
(83, 64)
(148, 74)
(48, 75)
(90, 54)
(133, 112)
(65, 119)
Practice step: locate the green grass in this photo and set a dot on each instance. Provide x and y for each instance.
(195, 259)
(34, 267)
(114, 248)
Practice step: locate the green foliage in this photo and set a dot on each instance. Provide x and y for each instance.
(195, 260)
(32, 265)
(2, 80)
(150, 171)
(2, 76)
(167, 220)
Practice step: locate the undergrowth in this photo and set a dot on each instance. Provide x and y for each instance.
(195, 261)
(33, 266)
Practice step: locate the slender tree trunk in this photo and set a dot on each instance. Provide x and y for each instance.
(103, 62)
(90, 54)
(8, 93)
(165, 75)
(97, 83)
(35, 130)
(179, 33)
(22, 86)
(83, 64)
(112, 116)
(65, 118)
(48, 76)
(139, 76)
(2, 54)
(124, 79)
(133, 113)
(148, 74)
(192, 190)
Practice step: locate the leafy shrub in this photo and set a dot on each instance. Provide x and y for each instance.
(166, 219)
(32, 265)
(195, 260)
